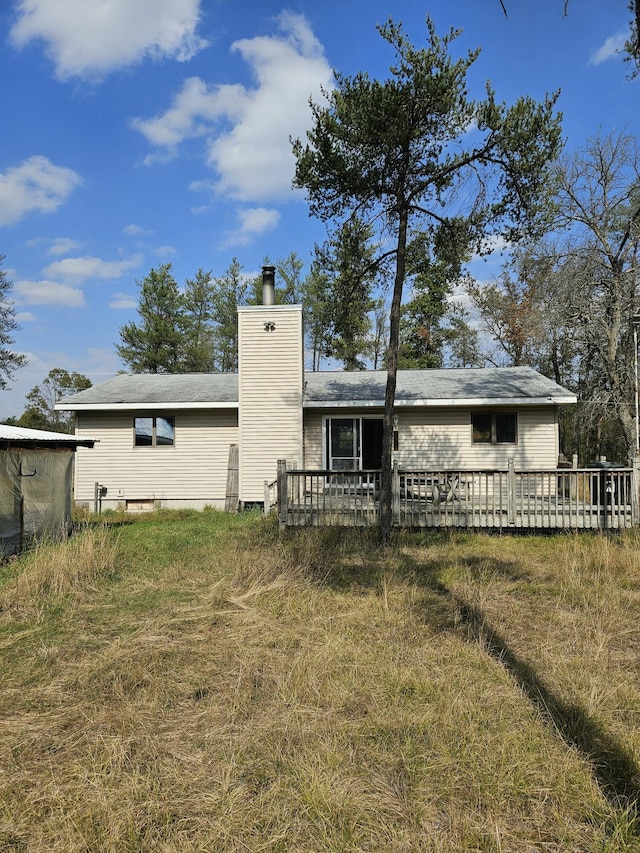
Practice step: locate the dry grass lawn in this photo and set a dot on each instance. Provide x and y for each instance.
(193, 682)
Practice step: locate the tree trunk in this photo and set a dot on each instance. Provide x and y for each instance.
(390, 392)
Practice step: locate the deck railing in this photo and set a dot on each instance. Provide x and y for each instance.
(579, 499)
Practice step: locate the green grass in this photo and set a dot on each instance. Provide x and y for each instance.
(192, 681)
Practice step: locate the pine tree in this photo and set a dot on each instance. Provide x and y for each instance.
(230, 291)
(155, 345)
(199, 331)
(398, 154)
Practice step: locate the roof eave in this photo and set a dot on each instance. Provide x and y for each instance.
(431, 403)
(128, 407)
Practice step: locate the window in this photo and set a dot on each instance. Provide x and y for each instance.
(154, 432)
(494, 427)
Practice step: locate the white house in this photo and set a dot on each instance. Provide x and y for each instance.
(164, 439)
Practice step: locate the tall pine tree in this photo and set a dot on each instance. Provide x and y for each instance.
(399, 155)
(155, 344)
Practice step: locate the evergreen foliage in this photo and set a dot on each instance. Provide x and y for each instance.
(399, 155)
(349, 272)
(565, 304)
(155, 345)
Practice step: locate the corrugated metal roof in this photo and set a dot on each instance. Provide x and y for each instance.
(450, 386)
(13, 434)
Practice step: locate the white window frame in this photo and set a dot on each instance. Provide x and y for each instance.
(326, 441)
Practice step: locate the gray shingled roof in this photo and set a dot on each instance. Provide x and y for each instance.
(450, 385)
(328, 388)
(161, 389)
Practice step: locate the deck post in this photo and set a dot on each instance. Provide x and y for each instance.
(635, 497)
(232, 493)
(511, 492)
(282, 492)
(395, 493)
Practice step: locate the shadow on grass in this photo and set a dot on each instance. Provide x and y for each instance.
(341, 559)
(612, 764)
(350, 560)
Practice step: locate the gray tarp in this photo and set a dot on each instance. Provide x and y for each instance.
(35, 495)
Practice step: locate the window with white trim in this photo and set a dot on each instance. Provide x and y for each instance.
(154, 431)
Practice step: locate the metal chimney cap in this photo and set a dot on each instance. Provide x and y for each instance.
(268, 285)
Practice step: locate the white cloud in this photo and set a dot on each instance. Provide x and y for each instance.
(77, 270)
(253, 222)
(165, 251)
(25, 317)
(90, 39)
(35, 185)
(194, 108)
(122, 300)
(62, 245)
(611, 48)
(251, 154)
(137, 231)
(257, 220)
(254, 160)
(47, 293)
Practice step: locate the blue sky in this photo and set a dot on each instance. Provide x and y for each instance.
(141, 132)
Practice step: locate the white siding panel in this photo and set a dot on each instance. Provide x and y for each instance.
(433, 438)
(441, 438)
(270, 377)
(191, 473)
(313, 439)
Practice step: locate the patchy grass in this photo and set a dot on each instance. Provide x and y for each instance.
(191, 681)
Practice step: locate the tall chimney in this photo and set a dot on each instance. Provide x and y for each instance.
(268, 286)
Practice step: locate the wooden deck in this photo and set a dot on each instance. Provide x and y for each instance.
(563, 499)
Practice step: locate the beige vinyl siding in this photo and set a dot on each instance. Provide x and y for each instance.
(442, 438)
(433, 438)
(313, 439)
(191, 473)
(270, 376)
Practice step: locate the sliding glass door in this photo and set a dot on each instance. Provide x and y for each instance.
(353, 444)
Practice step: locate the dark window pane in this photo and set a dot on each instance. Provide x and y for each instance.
(143, 431)
(506, 428)
(481, 424)
(165, 428)
(342, 437)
